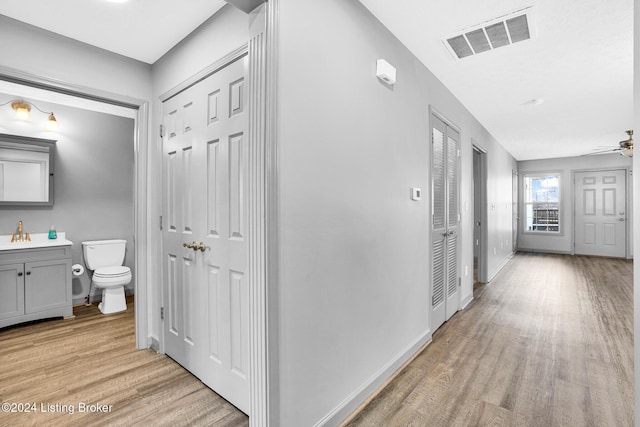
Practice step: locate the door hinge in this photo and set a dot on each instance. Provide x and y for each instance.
(160, 222)
(161, 131)
(161, 313)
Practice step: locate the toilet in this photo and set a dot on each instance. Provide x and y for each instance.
(105, 258)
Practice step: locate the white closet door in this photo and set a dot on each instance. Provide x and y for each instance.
(206, 325)
(445, 294)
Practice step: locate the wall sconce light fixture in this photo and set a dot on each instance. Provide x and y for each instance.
(23, 112)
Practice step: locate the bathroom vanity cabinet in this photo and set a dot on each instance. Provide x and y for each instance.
(35, 283)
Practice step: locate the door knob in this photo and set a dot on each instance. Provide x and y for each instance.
(195, 246)
(621, 219)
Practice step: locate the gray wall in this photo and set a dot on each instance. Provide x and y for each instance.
(354, 249)
(42, 53)
(563, 242)
(93, 182)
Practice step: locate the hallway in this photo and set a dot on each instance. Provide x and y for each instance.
(548, 342)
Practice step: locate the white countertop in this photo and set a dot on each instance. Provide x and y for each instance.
(38, 240)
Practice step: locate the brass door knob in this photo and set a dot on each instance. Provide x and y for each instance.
(195, 246)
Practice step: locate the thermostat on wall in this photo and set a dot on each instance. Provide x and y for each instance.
(416, 194)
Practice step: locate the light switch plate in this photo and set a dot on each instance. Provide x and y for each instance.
(416, 194)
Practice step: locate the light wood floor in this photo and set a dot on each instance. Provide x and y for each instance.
(549, 342)
(92, 359)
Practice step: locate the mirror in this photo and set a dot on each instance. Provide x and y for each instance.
(26, 171)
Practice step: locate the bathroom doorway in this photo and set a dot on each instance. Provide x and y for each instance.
(115, 111)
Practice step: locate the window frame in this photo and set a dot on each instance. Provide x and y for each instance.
(526, 202)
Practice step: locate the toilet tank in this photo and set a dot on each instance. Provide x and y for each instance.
(103, 253)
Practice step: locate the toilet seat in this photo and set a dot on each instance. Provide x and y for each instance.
(112, 276)
(115, 271)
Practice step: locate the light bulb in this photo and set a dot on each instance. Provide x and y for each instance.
(52, 123)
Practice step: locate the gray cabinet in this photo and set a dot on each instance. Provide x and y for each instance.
(11, 291)
(35, 284)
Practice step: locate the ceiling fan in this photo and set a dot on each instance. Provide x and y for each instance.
(625, 147)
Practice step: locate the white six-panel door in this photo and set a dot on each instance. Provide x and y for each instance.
(600, 213)
(206, 322)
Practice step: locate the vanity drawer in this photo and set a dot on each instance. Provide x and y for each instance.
(35, 254)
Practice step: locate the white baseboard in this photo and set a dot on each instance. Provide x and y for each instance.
(504, 262)
(544, 251)
(350, 406)
(466, 302)
(154, 344)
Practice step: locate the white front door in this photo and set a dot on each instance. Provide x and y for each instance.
(600, 213)
(205, 248)
(445, 296)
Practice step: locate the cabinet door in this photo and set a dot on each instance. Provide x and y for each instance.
(47, 285)
(11, 290)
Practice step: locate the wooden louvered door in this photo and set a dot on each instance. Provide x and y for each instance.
(445, 294)
(205, 247)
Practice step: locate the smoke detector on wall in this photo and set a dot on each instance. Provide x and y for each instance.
(502, 31)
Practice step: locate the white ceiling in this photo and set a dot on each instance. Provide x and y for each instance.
(140, 29)
(580, 62)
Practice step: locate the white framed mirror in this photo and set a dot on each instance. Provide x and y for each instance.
(26, 171)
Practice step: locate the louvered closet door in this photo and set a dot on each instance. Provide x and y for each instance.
(206, 321)
(444, 294)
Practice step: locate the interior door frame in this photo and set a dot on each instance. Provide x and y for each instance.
(480, 191)
(515, 209)
(262, 213)
(628, 202)
(142, 225)
(263, 205)
(433, 112)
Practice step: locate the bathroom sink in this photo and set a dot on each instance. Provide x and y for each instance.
(38, 240)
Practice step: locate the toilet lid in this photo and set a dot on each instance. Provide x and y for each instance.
(115, 271)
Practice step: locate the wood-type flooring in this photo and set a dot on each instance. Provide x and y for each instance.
(51, 368)
(549, 342)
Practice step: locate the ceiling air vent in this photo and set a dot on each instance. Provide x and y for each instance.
(490, 35)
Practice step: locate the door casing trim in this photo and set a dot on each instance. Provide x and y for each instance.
(141, 144)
